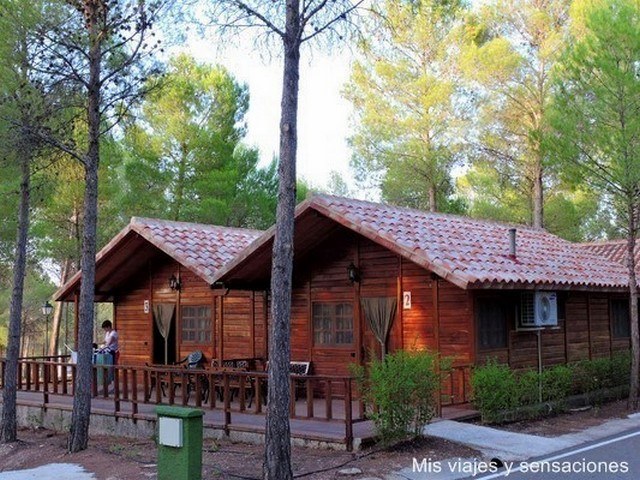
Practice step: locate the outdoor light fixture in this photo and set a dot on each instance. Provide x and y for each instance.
(174, 283)
(353, 272)
(47, 309)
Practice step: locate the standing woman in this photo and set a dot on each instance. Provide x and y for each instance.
(110, 339)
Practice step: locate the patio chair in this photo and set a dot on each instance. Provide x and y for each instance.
(194, 361)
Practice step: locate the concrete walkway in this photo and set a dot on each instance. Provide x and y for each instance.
(62, 471)
(502, 444)
(506, 445)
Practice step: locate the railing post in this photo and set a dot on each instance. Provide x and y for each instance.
(94, 383)
(227, 403)
(125, 383)
(105, 381)
(242, 392)
(54, 374)
(257, 394)
(45, 390)
(329, 400)
(348, 420)
(28, 375)
(197, 378)
(116, 390)
(185, 378)
(309, 389)
(73, 378)
(172, 388)
(158, 378)
(212, 390)
(19, 379)
(292, 397)
(134, 394)
(65, 387)
(145, 385)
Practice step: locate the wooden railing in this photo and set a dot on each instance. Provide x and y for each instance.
(455, 388)
(234, 393)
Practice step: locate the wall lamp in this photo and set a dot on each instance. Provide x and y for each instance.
(174, 283)
(354, 273)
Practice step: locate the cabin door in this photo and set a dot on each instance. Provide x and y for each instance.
(164, 334)
(378, 316)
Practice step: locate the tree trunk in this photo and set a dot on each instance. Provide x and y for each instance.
(634, 386)
(277, 458)
(57, 313)
(80, 417)
(180, 185)
(8, 432)
(538, 197)
(433, 199)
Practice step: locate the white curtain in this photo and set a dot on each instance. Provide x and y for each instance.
(379, 312)
(163, 315)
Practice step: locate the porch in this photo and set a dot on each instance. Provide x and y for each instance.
(323, 409)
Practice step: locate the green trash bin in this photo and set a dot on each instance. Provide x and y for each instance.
(179, 443)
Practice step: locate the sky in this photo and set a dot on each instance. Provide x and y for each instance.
(323, 115)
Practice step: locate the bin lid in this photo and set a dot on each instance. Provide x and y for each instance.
(178, 412)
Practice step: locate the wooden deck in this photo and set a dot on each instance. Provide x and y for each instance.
(332, 432)
(325, 409)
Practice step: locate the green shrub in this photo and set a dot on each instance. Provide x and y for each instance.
(556, 383)
(498, 390)
(528, 388)
(601, 373)
(621, 368)
(494, 389)
(402, 390)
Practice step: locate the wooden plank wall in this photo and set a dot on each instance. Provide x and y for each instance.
(240, 314)
(577, 327)
(418, 322)
(584, 333)
(243, 324)
(600, 330)
(455, 329)
(323, 277)
(455, 311)
(132, 324)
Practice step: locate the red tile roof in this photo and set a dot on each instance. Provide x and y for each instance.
(467, 252)
(614, 250)
(201, 248)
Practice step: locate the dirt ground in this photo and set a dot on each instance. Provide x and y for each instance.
(570, 422)
(113, 458)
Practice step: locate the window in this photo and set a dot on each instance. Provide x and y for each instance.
(620, 324)
(333, 324)
(492, 323)
(196, 324)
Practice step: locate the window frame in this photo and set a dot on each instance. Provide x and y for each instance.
(504, 304)
(616, 329)
(196, 329)
(333, 327)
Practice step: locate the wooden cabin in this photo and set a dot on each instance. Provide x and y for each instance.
(156, 268)
(463, 287)
(466, 288)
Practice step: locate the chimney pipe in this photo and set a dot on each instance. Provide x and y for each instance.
(512, 242)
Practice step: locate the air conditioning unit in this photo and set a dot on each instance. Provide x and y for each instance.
(538, 309)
